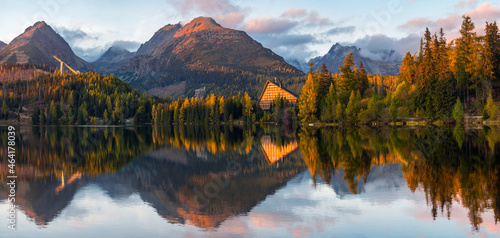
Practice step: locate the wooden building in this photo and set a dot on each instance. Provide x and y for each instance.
(271, 91)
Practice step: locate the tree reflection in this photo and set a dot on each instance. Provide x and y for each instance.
(448, 164)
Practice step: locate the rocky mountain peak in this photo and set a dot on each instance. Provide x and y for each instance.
(2, 44)
(338, 50)
(37, 45)
(199, 24)
(161, 36)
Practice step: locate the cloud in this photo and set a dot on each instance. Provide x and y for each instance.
(485, 11)
(288, 40)
(310, 17)
(314, 18)
(222, 11)
(73, 36)
(451, 23)
(128, 45)
(466, 3)
(269, 25)
(88, 54)
(294, 13)
(375, 47)
(289, 46)
(341, 30)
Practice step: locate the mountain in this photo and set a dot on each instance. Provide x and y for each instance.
(37, 45)
(113, 59)
(2, 44)
(160, 37)
(202, 53)
(384, 62)
(300, 65)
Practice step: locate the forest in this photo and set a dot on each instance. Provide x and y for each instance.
(443, 81)
(90, 98)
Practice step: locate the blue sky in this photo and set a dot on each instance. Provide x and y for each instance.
(291, 28)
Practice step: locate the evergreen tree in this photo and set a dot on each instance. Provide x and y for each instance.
(35, 117)
(458, 111)
(490, 108)
(348, 80)
(491, 53)
(362, 76)
(352, 109)
(465, 53)
(43, 119)
(407, 69)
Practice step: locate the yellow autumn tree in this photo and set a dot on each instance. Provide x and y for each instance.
(307, 101)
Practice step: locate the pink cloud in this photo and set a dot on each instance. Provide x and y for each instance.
(232, 19)
(451, 23)
(269, 25)
(292, 12)
(315, 18)
(485, 12)
(311, 17)
(466, 3)
(224, 12)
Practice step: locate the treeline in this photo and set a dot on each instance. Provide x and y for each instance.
(432, 85)
(88, 98)
(210, 110)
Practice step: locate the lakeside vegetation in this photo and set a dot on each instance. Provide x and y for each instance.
(440, 82)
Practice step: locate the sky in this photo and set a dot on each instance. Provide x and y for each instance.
(294, 29)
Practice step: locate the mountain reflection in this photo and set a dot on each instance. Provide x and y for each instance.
(204, 175)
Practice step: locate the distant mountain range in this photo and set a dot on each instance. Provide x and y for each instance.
(387, 62)
(114, 58)
(37, 45)
(178, 59)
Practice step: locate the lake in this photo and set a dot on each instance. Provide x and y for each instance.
(253, 181)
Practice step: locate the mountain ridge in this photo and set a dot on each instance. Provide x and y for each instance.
(201, 52)
(37, 45)
(112, 59)
(387, 62)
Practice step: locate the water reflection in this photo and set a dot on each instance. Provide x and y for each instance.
(448, 164)
(204, 176)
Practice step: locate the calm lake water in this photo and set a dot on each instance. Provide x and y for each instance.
(253, 182)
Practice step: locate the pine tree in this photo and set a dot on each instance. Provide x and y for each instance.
(325, 80)
(248, 108)
(348, 80)
(35, 117)
(490, 108)
(43, 118)
(307, 101)
(362, 76)
(352, 109)
(407, 69)
(339, 112)
(491, 53)
(465, 53)
(458, 111)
